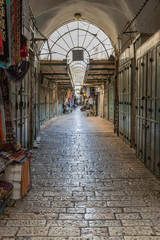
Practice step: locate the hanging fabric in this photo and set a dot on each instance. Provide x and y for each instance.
(15, 31)
(4, 50)
(17, 73)
(7, 106)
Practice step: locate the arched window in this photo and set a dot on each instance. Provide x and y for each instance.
(77, 42)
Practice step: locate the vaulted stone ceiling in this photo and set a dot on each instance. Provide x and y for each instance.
(109, 15)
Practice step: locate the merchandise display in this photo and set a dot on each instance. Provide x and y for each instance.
(6, 189)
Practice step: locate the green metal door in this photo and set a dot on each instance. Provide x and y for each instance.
(111, 102)
(125, 101)
(51, 110)
(120, 86)
(148, 109)
(20, 110)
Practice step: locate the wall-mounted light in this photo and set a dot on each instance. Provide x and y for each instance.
(77, 16)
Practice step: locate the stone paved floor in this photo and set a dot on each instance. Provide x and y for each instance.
(87, 184)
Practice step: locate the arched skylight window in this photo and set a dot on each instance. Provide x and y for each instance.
(77, 42)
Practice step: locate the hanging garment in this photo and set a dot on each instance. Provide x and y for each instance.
(4, 50)
(15, 31)
(17, 73)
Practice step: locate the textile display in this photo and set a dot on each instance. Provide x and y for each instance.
(10, 138)
(6, 159)
(12, 35)
(6, 189)
(15, 30)
(9, 126)
(26, 19)
(26, 177)
(4, 50)
(12, 156)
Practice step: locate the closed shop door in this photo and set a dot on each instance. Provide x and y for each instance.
(36, 107)
(99, 104)
(111, 102)
(51, 110)
(125, 101)
(148, 110)
(20, 110)
(120, 87)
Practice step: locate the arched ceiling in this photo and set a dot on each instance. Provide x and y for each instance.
(109, 15)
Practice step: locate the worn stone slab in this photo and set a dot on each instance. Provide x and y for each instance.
(99, 216)
(97, 238)
(29, 223)
(70, 216)
(68, 204)
(141, 209)
(130, 231)
(33, 231)
(92, 232)
(52, 194)
(64, 232)
(126, 203)
(98, 210)
(30, 216)
(91, 204)
(152, 215)
(142, 238)
(48, 238)
(82, 194)
(35, 209)
(21, 204)
(105, 223)
(16, 238)
(134, 223)
(8, 231)
(67, 223)
(127, 216)
(76, 210)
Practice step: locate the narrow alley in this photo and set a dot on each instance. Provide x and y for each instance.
(80, 120)
(86, 184)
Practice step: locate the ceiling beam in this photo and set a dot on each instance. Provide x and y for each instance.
(54, 74)
(53, 64)
(96, 79)
(65, 85)
(101, 63)
(101, 74)
(101, 69)
(61, 79)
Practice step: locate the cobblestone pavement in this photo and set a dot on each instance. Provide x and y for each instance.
(87, 184)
